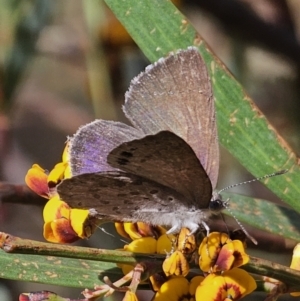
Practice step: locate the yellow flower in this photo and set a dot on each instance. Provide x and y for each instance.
(218, 253)
(66, 225)
(147, 245)
(42, 183)
(164, 244)
(176, 264)
(186, 243)
(62, 223)
(231, 285)
(176, 288)
(142, 245)
(138, 230)
(232, 255)
(37, 180)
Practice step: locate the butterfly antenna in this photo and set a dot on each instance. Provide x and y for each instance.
(277, 173)
(223, 219)
(225, 204)
(104, 231)
(240, 224)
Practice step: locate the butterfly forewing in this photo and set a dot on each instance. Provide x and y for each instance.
(121, 196)
(168, 160)
(92, 143)
(175, 94)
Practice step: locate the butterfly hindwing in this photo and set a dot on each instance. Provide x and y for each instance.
(168, 160)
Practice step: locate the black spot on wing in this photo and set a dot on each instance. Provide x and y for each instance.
(126, 154)
(122, 161)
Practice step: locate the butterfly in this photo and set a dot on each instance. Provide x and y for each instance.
(164, 168)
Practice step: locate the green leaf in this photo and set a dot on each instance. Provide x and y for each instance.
(55, 270)
(158, 28)
(265, 215)
(66, 265)
(80, 273)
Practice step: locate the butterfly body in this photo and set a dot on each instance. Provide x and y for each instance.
(163, 169)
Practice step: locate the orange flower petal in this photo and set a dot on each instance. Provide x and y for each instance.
(210, 248)
(36, 180)
(176, 264)
(60, 231)
(231, 255)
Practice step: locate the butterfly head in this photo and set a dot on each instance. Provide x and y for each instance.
(216, 203)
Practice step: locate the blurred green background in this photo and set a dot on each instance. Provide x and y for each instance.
(64, 63)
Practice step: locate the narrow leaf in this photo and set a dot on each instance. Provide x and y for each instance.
(265, 215)
(54, 270)
(158, 28)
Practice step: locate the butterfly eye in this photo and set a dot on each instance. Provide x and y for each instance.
(216, 204)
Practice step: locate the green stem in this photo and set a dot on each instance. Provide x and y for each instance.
(12, 244)
(153, 262)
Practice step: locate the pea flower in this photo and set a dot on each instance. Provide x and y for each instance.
(62, 224)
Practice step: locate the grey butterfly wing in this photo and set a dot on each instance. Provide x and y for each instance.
(119, 196)
(168, 160)
(175, 94)
(92, 143)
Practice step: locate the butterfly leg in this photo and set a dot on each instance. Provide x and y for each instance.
(193, 228)
(174, 229)
(206, 227)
